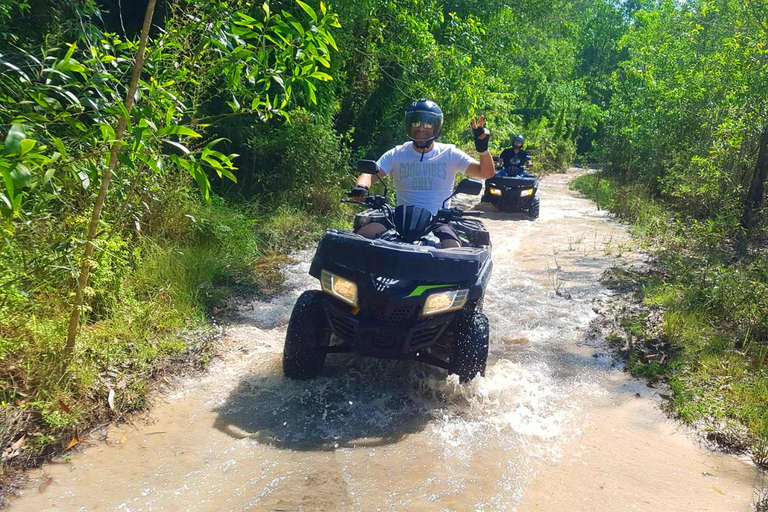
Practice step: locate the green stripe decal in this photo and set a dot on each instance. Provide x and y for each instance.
(421, 289)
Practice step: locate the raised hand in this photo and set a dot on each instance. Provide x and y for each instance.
(482, 135)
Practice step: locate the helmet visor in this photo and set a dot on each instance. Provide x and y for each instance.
(423, 126)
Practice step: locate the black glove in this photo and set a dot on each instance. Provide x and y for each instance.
(359, 190)
(481, 145)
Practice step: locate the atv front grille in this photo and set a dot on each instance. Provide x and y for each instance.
(392, 314)
(385, 340)
(364, 334)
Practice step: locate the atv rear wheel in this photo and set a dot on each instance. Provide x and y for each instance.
(308, 334)
(469, 352)
(533, 211)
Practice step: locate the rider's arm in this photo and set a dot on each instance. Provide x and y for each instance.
(366, 180)
(484, 168)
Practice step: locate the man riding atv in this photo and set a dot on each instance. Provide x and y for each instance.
(515, 161)
(387, 290)
(513, 189)
(424, 170)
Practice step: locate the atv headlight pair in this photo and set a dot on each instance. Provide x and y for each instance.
(339, 287)
(527, 192)
(442, 302)
(494, 191)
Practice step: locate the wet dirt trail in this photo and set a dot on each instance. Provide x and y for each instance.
(555, 424)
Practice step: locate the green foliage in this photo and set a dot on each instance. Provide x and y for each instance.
(301, 163)
(715, 316)
(70, 97)
(261, 108)
(151, 299)
(690, 101)
(602, 191)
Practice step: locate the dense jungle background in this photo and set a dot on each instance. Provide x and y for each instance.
(130, 212)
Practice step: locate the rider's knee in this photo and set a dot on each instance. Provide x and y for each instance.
(448, 243)
(372, 230)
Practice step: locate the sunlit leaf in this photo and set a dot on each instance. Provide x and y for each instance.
(308, 10)
(13, 139)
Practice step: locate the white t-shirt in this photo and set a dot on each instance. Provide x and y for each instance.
(424, 182)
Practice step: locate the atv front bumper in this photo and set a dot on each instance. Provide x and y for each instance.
(386, 340)
(505, 192)
(510, 201)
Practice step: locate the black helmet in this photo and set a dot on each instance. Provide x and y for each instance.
(412, 221)
(518, 138)
(423, 114)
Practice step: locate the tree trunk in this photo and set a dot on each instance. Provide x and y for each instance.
(85, 270)
(754, 199)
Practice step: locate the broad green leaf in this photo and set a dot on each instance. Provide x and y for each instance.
(330, 40)
(5, 204)
(178, 130)
(21, 176)
(308, 10)
(13, 139)
(23, 77)
(177, 145)
(70, 52)
(48, 175)
(59, 145)
(148, 123)
(228, 174)
(309, 88)
(107, 132)
(27, 145)
(216, 141)
(325, 77)
(8, 180)
(169, 116)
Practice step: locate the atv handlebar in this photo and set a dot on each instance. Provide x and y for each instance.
(353, 201)
(455, 213)
(374, 201)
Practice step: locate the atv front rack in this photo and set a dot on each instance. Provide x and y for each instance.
(397, 260)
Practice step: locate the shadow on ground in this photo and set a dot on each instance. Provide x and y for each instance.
(354, 403)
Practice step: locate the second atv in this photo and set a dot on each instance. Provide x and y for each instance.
(513, 190)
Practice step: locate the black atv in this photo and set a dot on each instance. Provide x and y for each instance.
(513, 190)
(399, 296)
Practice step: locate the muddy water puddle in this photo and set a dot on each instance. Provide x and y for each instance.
(554, 425)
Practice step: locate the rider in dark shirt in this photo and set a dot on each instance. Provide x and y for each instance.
(514, 159)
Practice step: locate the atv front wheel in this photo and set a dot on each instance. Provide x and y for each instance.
(469, 353)
(533, 211)
(308, 333)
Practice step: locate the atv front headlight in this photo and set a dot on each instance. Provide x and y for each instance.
(494, 191)
(339, 287)
(442, 302)
(527, 192)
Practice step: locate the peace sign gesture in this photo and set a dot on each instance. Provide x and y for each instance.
(482, 135)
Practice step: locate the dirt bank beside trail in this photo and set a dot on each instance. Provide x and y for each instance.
(555, 424)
